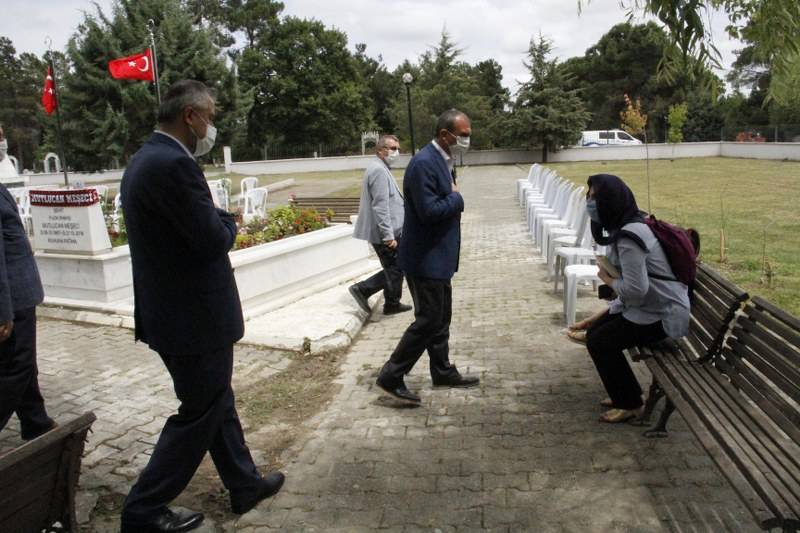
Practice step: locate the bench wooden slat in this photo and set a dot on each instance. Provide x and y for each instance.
(42, 485)
(758, 507)
(724, 409)
(788, 341)
(22, 470)
(759, 353)
(737, 437)
(43, 474)
(744, 378)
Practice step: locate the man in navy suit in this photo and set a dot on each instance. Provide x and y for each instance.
(187, 309)
(429, 257)
(20, 293)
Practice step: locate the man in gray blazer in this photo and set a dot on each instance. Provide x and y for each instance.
(20, 293)
(380, 222)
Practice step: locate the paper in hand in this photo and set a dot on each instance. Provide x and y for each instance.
(604, 263)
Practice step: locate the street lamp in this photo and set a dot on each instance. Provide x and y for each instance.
(407, 79)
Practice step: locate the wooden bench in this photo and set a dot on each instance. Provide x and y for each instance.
(38, 480)
(341, 207)
(736, 382)
(714, 305)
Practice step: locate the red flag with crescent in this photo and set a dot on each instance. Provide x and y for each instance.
(135, 67)
(49, 93)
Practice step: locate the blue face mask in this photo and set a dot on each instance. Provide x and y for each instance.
(591, 210)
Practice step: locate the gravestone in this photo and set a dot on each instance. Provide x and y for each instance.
(68, 221)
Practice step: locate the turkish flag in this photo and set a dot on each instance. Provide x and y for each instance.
(49, 93)
(136, 67)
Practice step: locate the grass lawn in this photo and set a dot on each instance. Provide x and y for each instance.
(757, 203)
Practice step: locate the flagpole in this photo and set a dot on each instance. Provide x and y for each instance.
(150, 25)
(60, 134)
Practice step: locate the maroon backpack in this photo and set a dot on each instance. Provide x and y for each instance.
(681, 246)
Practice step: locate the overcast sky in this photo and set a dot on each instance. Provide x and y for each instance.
(404, 29)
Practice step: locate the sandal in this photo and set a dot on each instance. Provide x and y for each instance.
(606, 402)
(617, 416)
(576, 335)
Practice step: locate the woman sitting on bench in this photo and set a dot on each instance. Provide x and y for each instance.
(650, 304)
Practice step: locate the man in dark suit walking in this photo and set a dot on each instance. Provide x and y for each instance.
(187, 309)
(20, 293)
(429, 255)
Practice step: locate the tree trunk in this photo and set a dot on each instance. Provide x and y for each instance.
(544, 153)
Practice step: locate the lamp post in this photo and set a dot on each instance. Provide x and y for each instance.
(407, 79)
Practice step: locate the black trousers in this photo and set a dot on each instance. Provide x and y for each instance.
(19, 382)
(389, 280)
(433, 308)
(605, 340)
(206, 421)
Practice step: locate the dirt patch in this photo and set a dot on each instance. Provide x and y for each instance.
(273, 411)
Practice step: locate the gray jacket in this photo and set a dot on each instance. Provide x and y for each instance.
(20, 286)
(380, 212)
(643, 299)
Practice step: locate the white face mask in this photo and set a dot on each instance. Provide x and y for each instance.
(462, 143)
(205, 144)
(3, 148)
(391, 157)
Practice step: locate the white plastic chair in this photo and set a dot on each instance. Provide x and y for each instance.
(580, 251)
(23, 198)
(117, 209)
(531, 183)
(555, 201)
(562, 216)
(255, 204)
(247, 184)
(573, 275)
(568, 227)
(547, 179)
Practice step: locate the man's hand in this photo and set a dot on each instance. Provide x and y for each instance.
(455, 187)
(605, 276)
(5, 330)
(391, 244)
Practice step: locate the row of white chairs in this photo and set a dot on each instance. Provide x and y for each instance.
(253, 199)
(555, 212)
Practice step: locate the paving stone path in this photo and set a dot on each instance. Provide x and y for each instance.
(523, 452)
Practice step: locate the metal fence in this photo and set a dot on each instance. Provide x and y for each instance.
(761, 133)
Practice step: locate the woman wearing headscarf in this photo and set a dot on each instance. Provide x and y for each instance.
(650, 305)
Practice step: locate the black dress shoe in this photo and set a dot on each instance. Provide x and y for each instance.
(164, 521)
(397, 308)
(362, 301)
(270, 485)
(399, 392)
(457, 380)
(28, 434)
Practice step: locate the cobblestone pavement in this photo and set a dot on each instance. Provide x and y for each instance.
(523, 452)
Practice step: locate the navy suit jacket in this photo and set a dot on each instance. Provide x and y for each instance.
(186, 300)
(20, 285)
(432, 227)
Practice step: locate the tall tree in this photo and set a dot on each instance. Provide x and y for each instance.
(441, 82)
(306, 85)
(21, 79)
(106, 120)
(382, 85)
(775, 23)
(545, 112)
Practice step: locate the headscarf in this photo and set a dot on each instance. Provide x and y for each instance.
(616, 206)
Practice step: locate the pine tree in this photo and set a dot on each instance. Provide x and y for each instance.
(106, 120)
(545, 112)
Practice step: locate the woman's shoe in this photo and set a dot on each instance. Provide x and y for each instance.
(606, 402)
(576, 335)
(617, 416)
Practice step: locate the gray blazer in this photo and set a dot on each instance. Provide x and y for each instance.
(20, 286)
(380, 212)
